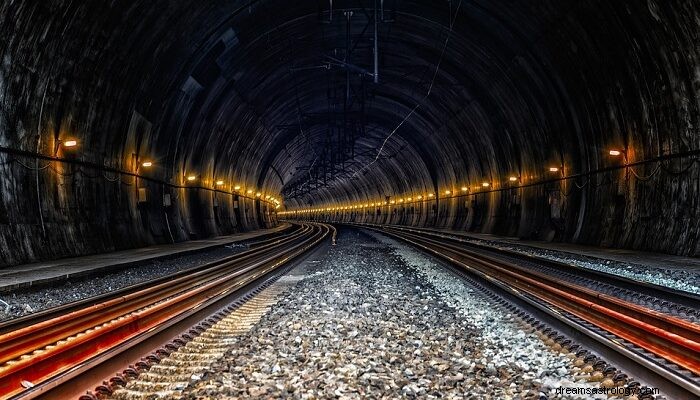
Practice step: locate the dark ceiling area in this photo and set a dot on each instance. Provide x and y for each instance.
(321, 103)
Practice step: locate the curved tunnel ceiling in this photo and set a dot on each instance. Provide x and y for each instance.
(267, 94)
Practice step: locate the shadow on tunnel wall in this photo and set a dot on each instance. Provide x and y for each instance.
(231, 90)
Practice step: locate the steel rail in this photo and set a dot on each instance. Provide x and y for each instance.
(649, 289)
(675, 340)
(32, 319)
(38, 352)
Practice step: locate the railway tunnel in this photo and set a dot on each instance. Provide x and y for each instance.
(147, 135)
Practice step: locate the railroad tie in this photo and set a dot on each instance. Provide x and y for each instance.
(174, 373)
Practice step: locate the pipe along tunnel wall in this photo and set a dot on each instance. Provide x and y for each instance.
(247, 93)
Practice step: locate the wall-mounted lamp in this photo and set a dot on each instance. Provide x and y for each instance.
(237, 187)
(68, 143)
(219, 183)
(448, 192)
(485, 184)
(513, 179)
(553, 169)
(147, 164)
(191, 178)
(465, 189)
(249, 191)
(617, 153)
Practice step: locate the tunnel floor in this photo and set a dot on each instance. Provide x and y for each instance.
(368, 320)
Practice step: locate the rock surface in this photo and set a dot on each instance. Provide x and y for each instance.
(378, 320)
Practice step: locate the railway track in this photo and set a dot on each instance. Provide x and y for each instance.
(659, 347)
(50, 354)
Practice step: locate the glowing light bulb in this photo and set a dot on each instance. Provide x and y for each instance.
(513, 179)
(485, 184)
(70, 143)
(553, 169)
(219, 183)
(191, 178)
(615, 152)
(147, 164)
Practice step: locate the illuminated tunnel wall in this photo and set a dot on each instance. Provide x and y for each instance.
(469, 92)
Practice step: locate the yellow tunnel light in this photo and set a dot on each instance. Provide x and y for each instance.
(464, 188)
(70, 143)
(513, 179)
(237, 187)
(419, 197)
(448, 192)
(147, 164)
(485, 184)
(249, 191)
(431, 195)
(553, 169)
(392, 202)
(219, 183)
(615, 152)
(409, 199)
(191, 178)
(268, 197)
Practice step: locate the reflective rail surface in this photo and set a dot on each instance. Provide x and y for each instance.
(667, 337)
(44, 350)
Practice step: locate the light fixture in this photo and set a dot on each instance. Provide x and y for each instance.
(431, 195)
(485, 184)
(219, 183)
(409, 199)
(513, 179)
(464, 188)
(268, 197)
(419, 197)
(615, 152)
(70, 143)
(147, 164)
(553, 169)
(447, 192)
(249, 191)
(191, 178)
(237, 187)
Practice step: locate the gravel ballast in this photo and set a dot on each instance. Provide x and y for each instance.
(377, 319)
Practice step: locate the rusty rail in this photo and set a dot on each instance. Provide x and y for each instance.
(673, 339)
(42, 351)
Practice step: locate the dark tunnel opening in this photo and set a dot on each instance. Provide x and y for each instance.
(573, 121)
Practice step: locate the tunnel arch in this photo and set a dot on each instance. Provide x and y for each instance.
(244, 92)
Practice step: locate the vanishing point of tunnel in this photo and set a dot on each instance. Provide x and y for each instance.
(137, 136)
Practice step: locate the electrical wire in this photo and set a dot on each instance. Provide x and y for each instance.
(28, 167)
(682, 170)
(645, 178)
(418, 104)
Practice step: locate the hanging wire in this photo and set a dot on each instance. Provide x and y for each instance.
(645, 178)
(113, 180)
(29, 167)
(682, 171)
(418, 104)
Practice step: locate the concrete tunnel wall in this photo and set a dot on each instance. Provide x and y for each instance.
(202, 89)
